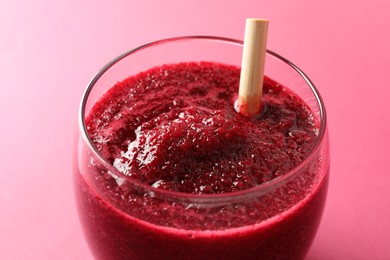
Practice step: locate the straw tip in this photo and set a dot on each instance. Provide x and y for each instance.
(257, 20)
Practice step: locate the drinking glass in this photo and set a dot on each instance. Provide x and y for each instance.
(123, 218)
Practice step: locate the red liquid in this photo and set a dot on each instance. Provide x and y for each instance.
(175, 128)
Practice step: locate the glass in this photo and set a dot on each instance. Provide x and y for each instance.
(142, 222)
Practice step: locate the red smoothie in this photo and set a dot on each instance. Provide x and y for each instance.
(188, 170)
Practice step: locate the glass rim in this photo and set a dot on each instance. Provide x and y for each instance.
(201, 198)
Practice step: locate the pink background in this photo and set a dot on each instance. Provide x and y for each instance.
(49, 50)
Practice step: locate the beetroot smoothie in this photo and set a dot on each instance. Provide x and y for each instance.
(198, 169)
(165, 168)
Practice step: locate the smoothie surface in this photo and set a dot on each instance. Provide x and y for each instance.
(174, 127)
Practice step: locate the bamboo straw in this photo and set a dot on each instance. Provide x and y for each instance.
(252, 67)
